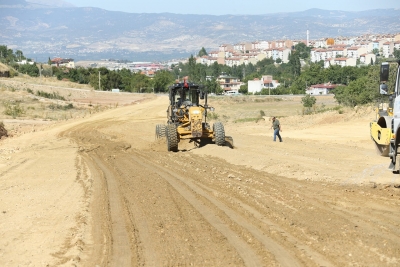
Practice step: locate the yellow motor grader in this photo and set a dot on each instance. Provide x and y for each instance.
(187, 118)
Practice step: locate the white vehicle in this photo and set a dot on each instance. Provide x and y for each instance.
(232, 93)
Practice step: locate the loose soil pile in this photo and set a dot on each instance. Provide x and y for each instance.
(3, 131)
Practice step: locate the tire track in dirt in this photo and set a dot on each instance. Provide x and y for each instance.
(281, 254)
(153, 254)
(266, 219)
(303, 209)
(121, 247)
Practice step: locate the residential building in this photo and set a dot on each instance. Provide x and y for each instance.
(387, 49)
(320, 89)
(66, 62)
(343, 61)
(367, 58)
(355, 52)
(229, 83)
(266, 82)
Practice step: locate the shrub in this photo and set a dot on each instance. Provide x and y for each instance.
(212, 116)
(53, 95)
(13, 109)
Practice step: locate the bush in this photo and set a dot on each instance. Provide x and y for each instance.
(13, 109)
(308, 101)
(212, 115)
(57, 106)
(53, 95)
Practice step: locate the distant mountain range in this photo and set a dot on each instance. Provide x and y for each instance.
(44, 28)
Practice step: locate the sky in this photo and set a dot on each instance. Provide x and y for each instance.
(234, 7)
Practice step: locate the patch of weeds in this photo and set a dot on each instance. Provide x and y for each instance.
(53, 95)
(61, 107)
(212, 115)
(30, 91)
(13, 109)
(247, 120)
(226, 118)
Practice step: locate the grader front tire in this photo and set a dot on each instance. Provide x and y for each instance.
(172, 138)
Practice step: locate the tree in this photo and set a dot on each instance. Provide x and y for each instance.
(356, 93)
(308, 101)
(113, 80)
(216, 69)
(244, 89)
(213, 86)
(202, 52)
(31, 70)
(303, 49)
(161, 80)
(375, 51)
(278, 60)
(138, 83)
(294, 62)
(192, 68)
(19, 55)
(396, 53)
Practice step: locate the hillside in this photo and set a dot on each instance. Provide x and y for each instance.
(95, 33)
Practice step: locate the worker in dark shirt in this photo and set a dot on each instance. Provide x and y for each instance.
(277, 127)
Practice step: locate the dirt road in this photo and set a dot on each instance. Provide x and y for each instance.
(101, 191)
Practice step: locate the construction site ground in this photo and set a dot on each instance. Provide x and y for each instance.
(97, 189)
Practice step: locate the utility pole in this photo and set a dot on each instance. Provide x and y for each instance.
(99, 82)
(269, 89)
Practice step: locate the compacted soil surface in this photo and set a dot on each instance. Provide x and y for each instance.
(103, 191)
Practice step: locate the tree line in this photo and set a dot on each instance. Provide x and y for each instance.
(357, 85)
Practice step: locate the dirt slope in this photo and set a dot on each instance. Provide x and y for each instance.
(101, 191)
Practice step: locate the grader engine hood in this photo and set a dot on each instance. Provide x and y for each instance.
(195, 118)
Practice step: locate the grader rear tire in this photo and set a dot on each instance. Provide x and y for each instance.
(172, 138)
(219, 133)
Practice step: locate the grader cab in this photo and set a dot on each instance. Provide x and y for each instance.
(187, 118)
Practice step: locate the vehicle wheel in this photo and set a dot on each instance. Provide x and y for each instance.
(158, 131)
(219, 133)
(162, 130)
(172, 138)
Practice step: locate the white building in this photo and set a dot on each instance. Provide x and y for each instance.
(266, 82)
(320, 89)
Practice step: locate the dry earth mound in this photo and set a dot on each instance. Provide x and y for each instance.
(3, 131)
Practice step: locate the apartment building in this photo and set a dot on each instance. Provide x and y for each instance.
(243, 47)
(229, 83)
(387, 49)
(225, 47)
(367, 58)
(355, 52)
(344, 61)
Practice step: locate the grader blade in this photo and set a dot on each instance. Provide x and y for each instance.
(229, 141)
